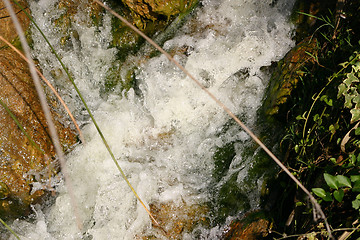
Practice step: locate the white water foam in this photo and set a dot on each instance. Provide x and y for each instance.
(165, 140)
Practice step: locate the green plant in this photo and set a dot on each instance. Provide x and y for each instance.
(350, 87)
(323, 116)
(339, 185)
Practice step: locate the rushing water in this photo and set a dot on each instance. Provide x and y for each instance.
(165, 133)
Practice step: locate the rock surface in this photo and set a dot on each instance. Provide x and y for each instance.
(287, 74)
(252, 227)
(27, 163)
(7, 29)
(22, 164)
(176, 219)
(153, 9)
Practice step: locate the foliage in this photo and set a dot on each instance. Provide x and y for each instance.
(322, 142)
(350, 88)
(340, 184)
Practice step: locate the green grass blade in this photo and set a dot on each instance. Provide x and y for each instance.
(10, 229)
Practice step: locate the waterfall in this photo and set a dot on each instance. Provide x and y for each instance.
(165, 132)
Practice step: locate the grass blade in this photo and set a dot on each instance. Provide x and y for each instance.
(10, 229)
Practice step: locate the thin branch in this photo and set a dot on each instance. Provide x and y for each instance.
(46, 109)
(316, 205)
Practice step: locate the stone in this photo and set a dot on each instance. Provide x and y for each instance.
(175, 219)
(22, 164)
(287, 74)
(252, 227)
(151, 9)
(7, 29)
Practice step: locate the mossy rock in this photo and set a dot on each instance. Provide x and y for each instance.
(157, 21)
(177, 219)
(287, 74)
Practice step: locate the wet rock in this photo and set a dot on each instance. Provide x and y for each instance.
(7, 29)
(287, 74)
(25, 169)
(254, 226)
(69, 9)
(155, 9)
(176, 219)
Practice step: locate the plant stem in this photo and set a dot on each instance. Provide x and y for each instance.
(10, 229)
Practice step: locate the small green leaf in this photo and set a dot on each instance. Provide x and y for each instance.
(351, 78)
(343, 181)
(356, 66)
(331, 181)
(355, 115)
(356, 99)
(296, 148)
(339, 195)
(328, 197)
(333, 160)
(355, 178)
(326, 100)
(356, 203)
(299, 117)
(353, 159)
(322, 194)
(348, 101)
(319, 192)
(342, 90)
(330, 102)
(356, 187)
(316, 117)
(357, 132)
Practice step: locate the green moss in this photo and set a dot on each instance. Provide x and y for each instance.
(231, 200)
(222, 159)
